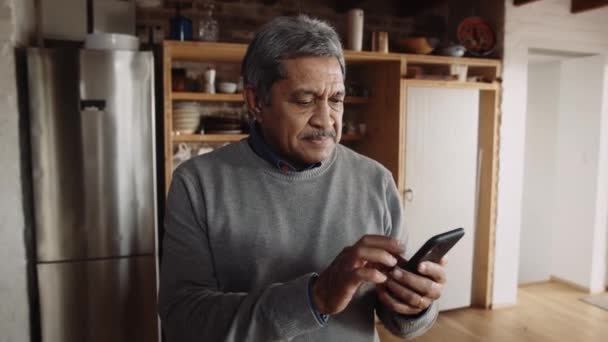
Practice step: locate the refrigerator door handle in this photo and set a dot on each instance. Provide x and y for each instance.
(92, 123)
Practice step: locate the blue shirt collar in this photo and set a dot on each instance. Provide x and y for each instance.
(265, 151)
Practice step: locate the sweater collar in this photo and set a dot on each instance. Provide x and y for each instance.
(266, 152)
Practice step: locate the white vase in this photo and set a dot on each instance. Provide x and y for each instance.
(355, 29)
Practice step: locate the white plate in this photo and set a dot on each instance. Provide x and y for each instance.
(186, 123)
(186, 105)
(184, 110)
(183, 131)
(187, 116)
(234, 131)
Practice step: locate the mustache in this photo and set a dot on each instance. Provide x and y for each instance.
(330, 133)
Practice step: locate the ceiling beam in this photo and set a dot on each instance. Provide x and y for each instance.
(587, 5)
(522, 2)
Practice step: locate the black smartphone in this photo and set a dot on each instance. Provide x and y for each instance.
(433, 250)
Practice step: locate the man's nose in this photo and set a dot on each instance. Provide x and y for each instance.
(322, 117)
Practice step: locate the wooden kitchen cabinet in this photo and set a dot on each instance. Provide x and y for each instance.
(386, 76)
(378, 73)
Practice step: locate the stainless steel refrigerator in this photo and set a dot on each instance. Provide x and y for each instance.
(93, 165)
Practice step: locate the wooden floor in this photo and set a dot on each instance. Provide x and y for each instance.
(548, 312)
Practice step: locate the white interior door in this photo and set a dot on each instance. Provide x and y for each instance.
(441, 172)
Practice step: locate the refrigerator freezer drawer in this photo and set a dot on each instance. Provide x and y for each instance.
(99, 300)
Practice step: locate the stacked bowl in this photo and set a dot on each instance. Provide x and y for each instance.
(186, 117)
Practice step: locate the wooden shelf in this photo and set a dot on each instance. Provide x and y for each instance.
(204, 51)
(367, 57)
(184, 96)
(191, 96)
(208, 137)
(429, 59)
(236, 137)
(451, 84)
(233, 53)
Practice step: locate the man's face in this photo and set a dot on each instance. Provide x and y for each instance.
(303, 121)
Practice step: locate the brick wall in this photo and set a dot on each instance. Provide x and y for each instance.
(238, 19)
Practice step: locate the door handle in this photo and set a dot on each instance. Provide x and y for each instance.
(408, 194)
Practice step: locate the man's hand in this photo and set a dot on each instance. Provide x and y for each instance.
(408, 293)
(337, 284)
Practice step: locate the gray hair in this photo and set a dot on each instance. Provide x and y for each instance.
(286, 38)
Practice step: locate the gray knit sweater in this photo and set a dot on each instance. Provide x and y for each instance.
(242, 240)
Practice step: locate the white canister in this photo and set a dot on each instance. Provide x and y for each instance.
(209, 76)
(459, 70)
(209, 81)
(355, 29)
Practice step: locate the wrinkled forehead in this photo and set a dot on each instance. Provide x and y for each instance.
(313, 69)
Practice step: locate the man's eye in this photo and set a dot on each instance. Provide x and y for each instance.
(337, 100)
(303, 102)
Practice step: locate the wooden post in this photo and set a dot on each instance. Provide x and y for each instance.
(522, 2)
(586, 5)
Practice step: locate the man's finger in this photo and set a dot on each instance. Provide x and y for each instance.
(422, 285)
(373, 255)
(371, 275)
(432, 270)
(406, 295)
(391, 245)
(393, 304)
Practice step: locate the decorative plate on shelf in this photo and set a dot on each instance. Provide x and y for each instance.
(477, 36)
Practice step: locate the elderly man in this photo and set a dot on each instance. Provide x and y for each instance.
(287, 235)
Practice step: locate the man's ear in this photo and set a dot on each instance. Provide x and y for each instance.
(253, 103)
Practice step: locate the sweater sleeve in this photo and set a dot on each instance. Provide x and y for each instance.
(406, 326)
(192, 307)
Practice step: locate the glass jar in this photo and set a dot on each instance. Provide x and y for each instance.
(208, 28)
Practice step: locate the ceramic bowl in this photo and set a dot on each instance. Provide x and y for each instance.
(418, 45)
(226, 87)
(453, 51)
